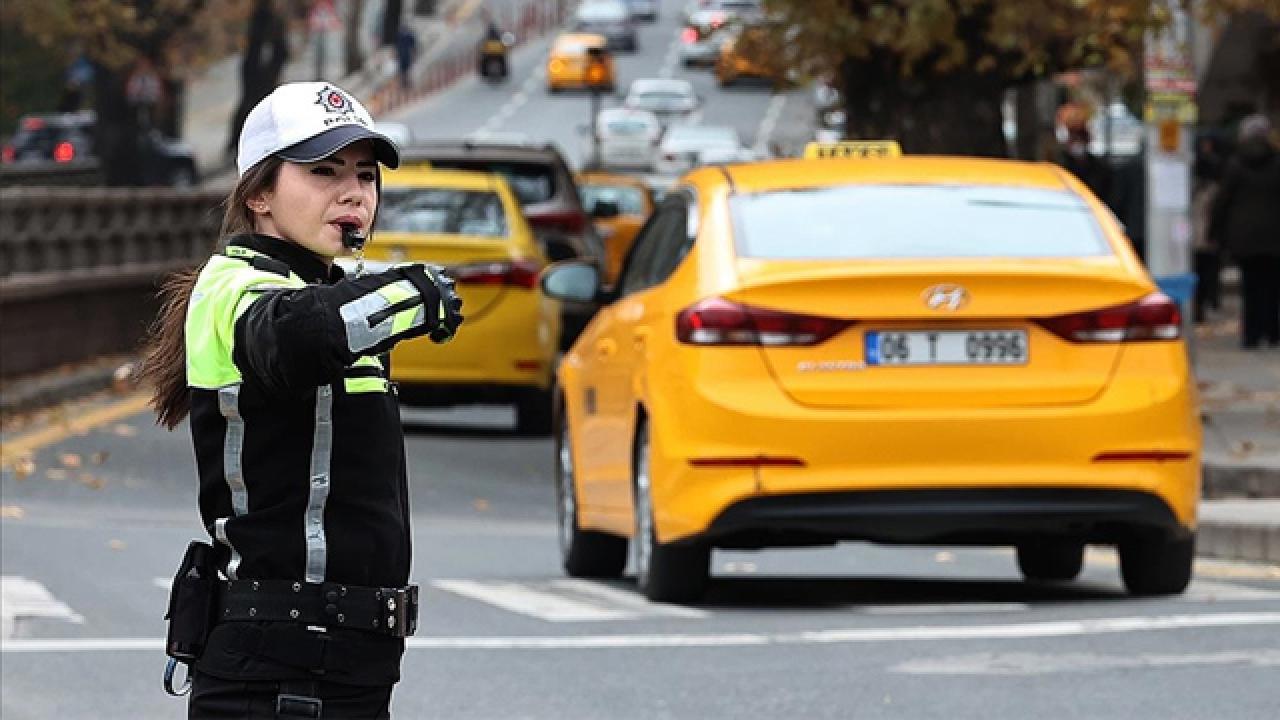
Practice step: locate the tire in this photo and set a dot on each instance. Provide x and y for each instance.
(533, 412)
(1157, 564)
(671, 573)
(1051, 559)
(583, 553)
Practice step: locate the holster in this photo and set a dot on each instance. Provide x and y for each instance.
(193, 600)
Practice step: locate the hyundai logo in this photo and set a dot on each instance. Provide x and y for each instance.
(946, 297)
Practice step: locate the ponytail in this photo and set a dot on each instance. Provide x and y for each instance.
(164, 364)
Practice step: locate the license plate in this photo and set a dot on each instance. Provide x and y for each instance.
(946, 347)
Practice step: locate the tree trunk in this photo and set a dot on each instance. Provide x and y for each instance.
(264, 57)
(353, 60)
(391, 21)
(1027, 122)
(955, 114)
(116, 129)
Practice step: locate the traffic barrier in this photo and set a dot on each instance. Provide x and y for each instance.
(79, 267)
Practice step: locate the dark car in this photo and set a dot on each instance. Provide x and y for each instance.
(64, 138)
(610, 18)
(542, 181)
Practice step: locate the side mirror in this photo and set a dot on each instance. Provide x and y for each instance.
(604, 209)
(573, 280)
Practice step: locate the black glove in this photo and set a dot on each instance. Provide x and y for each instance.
(443, 306)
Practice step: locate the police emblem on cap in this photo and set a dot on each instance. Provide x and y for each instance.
(334, 100)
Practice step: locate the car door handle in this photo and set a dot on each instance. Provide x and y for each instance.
(606, 348)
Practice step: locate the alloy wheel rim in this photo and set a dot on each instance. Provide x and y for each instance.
(568, 505)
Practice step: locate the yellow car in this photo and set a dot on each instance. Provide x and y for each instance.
(619, 205)
(745, 53)
(471, 223)
(902, 350)
(568, 63)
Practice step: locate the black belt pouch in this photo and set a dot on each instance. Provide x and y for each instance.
(193, 600)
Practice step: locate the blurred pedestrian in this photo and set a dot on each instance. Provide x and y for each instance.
(1207, 173)
(406, 53)
(1245, 220)
(1092, 170)
(274, 354)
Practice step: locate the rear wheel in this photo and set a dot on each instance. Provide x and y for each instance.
(583, 553)
(1051, 559)
(1157, 564)
(674, 572)
(533, 412)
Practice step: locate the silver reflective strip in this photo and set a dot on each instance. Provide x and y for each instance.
(355, 315)
(232, 469)
(321, 450)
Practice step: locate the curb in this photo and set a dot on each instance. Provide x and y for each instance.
(42, 391)
(1240, 481)
(1243, 541)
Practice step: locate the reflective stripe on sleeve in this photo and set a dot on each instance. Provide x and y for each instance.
(362, 316)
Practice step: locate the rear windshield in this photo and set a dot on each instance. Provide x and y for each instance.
(630, 200)
(531, 183)
(441, 210)
(915, 221)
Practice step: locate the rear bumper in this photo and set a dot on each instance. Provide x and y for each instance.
(982, 517)
(725, 407)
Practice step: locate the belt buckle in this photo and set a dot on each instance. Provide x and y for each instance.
(400, 608)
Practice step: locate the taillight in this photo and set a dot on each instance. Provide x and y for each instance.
(716, 321)
(521, 273)
(689, 36)
(1154, 317)
(569, 221)
(64, 152)
(8, 154)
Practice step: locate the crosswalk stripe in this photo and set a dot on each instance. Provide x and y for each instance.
(525, 600)
(625, 599)
(23, 598)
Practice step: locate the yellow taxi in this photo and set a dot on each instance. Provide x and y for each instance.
(569, 63)
(618, 205)
(746, 54)
(471, 223)
(937, 350)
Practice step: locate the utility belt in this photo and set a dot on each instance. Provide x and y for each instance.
(199, 599)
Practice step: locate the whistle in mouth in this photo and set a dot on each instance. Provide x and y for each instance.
(352, 238)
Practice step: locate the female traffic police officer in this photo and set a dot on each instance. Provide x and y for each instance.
(275, 355)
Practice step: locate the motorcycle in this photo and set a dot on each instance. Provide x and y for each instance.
(493, 57)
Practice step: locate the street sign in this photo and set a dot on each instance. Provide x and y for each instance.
(324, 17)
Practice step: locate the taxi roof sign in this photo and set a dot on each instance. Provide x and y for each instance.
(853, 149)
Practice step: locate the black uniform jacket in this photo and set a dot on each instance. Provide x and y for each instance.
(301, 463)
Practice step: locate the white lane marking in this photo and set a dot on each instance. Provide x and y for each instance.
(1044, 663)
(943, 608)
(1095, 626)
(23, 598)
(526, 600)
(672, 57)
(627, 600)
(769, 122)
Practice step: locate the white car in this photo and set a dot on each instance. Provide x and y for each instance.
(685, 147)
(673, 101)
(628, 138)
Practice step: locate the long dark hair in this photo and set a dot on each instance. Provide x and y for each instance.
(164, 365)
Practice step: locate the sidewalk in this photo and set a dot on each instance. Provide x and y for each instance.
(1240, 406)
(213, 94)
